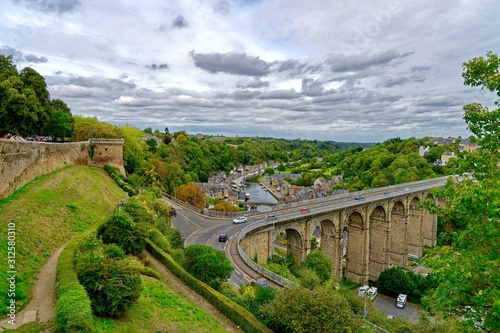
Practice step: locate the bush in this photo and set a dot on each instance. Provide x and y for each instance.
(111, 285)
(113, 251)
(392, 282)
(207, 264)
(119, 229)
(73, 311)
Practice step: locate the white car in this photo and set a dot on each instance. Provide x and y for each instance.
(239, 220)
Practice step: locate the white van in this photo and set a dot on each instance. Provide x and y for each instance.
(362, 290)
(401, 301)
(372, 292)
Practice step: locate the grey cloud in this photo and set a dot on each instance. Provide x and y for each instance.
(245, 94)
(179, 22)
(50, 6)
(280, 94)
(253, 84)
(419, 68)
(394, 81)
(34, 59)
(361, 61)
(158, 67)
(438, 102)
(222, 7)
(312, 87)
(231, 63)
(18, 56)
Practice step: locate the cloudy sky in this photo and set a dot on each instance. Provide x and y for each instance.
(357, 70)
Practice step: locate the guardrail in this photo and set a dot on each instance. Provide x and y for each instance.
(255, 266)
(313, 202)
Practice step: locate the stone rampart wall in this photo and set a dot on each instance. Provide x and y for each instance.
(23, 161)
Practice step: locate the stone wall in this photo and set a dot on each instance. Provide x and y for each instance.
(23, 161)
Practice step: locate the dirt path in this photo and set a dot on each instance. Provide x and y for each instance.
(43, 300)
(178, 286)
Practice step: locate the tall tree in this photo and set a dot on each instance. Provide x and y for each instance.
(468, 271)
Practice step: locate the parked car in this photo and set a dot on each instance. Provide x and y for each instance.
(304, 210)
(271, 217)
(240, 219)
(372, 292)
(362, 290)
(223, 237)
(401, 301)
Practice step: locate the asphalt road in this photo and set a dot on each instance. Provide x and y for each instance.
(388, 305)
(197, 229)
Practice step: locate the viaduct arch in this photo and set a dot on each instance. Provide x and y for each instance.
(362, 238)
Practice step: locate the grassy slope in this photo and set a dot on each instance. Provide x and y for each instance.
(160, 309)
(47, 212)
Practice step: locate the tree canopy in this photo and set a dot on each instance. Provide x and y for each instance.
(25, 105)
(467, 267)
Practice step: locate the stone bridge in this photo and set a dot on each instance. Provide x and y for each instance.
(362, 237)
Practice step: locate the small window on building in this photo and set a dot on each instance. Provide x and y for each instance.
(106, 149)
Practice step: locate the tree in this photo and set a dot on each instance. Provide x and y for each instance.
(392, 282)
(302, 311)
(319, 263)
(207, 264)
(467, 271)
(192, 194)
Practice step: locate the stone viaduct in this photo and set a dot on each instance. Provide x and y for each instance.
(361, 237)
(22, 161)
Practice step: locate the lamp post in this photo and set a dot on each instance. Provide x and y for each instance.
(365, 314)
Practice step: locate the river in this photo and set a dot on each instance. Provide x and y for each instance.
(258, 194)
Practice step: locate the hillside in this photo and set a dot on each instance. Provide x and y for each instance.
(45, 214)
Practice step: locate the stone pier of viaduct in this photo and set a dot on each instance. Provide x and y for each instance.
(362, 239)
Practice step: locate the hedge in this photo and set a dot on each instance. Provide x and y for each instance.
(73, 311)
(236, 313)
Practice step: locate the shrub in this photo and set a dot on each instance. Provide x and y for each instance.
(392, 282)
(111, 285)
(73, 311)
(113, 251)
(122, 231)
(207, 264)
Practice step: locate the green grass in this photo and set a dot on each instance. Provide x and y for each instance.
(160, 309)
(47, 213)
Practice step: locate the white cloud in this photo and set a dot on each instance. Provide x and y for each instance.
(328, 70)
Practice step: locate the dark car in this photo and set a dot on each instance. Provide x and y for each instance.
(223, 238)
(259, 283)
(271, 217)
(358, 197)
